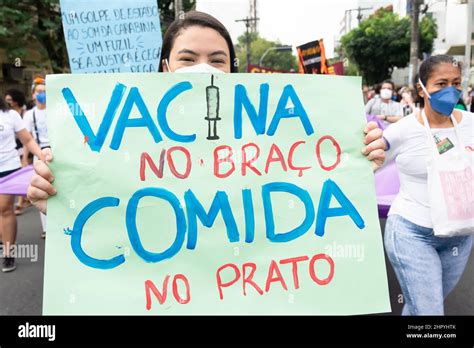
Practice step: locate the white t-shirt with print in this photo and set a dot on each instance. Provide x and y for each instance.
(409, 147)
(10, 123)
(41, 126)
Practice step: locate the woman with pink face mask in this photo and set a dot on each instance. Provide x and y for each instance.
(196, 43)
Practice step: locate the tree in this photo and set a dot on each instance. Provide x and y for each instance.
(282, 60)
(166, 8)
(382, 42)
(26, 22)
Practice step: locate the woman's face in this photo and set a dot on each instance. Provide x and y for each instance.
(9, 100)
(443, 75)
(38, 89)
(196, 45)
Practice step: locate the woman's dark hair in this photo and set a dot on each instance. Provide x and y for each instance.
(390, 82)
(17, 96)
(427, 67)
(200, 19)
(377, 88)
(3, 105)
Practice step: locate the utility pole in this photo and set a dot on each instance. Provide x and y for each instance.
(359, 16)
(178, 8)
(415, 40)
(247, 22)
(253, 14)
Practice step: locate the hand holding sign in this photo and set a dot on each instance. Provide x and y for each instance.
(148, 204)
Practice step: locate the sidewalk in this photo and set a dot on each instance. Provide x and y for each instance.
(21, 291)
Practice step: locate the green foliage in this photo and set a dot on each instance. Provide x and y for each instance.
(26, 22)
(279, 60)
(167, 13)
(382, 42)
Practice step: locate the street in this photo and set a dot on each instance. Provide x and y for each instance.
(21, 291)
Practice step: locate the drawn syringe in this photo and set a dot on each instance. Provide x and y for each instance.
(212, 97)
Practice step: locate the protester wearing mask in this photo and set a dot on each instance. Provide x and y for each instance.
(429, 266)
(35, 121)
(196, 43)
(383, 106)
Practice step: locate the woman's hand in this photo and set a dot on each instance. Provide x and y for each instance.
(375, 149)
(41, 187)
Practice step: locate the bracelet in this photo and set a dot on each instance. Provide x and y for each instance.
(385, 118)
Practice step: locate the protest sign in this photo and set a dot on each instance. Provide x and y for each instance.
(112, 35)
(312, 58)
(337, 68)
(211, 194)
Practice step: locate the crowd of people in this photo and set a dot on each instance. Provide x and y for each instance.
(424, 263)
(390, 103)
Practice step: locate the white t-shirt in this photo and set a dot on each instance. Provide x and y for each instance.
(40, 129)
(10, 123)
(409, 148)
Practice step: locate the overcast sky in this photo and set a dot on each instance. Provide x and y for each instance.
(292, 22)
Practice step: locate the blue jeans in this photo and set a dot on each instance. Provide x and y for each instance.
(427, 267)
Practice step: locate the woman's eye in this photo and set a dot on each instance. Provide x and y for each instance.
(186, 59)
(218, 61)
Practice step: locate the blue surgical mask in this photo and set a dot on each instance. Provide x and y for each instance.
(41, 97)
(444, 100)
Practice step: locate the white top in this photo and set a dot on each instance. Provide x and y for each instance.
(40, 128)
(409, 148)
(10, 123)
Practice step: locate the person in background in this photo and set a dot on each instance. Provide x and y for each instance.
(17, 101)
(35, 122)
(371, 94)
(365, 93)
(461, 105)
(383, 106)
(406, 100)
(11, 126)
(468, 99)
(428, 267)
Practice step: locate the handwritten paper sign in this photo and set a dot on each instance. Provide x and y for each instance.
(211, 194)
(112, 35)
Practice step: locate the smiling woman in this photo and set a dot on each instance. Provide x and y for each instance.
(197, 38)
